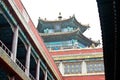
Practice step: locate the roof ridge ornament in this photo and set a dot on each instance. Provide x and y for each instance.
(73, 15)
(59, 17)
(39, 18)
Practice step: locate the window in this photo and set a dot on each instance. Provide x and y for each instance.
(72, 68)
(50, 31)
(57, 28)
(66, 69)
(64, 30)
(95, 67)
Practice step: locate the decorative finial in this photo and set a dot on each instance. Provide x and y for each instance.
(92, 45)
(59, 13)
(59, 17)
(73, 15)
(39, 18)
(98, 41)
(45, 19)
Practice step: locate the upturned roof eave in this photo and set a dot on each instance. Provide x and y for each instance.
(81, 25)
(75, 33)
(72, 19)
(96, 43)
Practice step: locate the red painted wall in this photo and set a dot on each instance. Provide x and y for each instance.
(83, 51)
(97, 77)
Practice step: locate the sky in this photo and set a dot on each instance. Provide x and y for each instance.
(85, 11)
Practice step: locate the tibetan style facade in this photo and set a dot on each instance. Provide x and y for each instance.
(76, 56)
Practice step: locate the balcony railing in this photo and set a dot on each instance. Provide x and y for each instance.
(20, 64)
(5, 48)
(31, 76)
(2, 45)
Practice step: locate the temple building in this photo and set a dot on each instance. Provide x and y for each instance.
(56, 50)
(76, 56)
(64, 34)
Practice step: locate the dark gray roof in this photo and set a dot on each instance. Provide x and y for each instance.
(72, 22)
